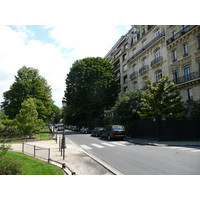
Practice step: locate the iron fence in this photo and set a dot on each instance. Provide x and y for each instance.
(39, 152)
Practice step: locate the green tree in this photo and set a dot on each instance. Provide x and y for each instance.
(28, 83)
(194, 108)
(28, 123)
(90, 88)
(126, 109)
(162, 100)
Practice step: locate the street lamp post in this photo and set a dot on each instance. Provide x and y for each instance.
(63, 144)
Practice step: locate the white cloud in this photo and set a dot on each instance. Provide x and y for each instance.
(53, 60)
(86, 40)
(47, 58)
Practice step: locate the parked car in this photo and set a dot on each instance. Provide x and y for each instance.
(85, 129)
(59, 127)
(114, 131)
(71, 127)
(97, 131)
(76, 128)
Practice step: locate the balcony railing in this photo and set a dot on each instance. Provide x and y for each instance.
(147, 46)
(144, 68)
(156, 61)
(188, 77)
(134, 74)
(180, 33)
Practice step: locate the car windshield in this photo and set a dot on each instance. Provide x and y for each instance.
(101, 128)
(118, 128)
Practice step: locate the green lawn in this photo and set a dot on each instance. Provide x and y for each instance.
(43, 135)
(33, 166)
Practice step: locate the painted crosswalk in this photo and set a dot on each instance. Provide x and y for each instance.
(98, 146)
(103, 145)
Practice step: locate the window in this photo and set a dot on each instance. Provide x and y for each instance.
(124, 68)
(158, 75)
(174, 35)
(126, 46)
(185, 49)
(125, 89)
(199, 64)
(198, 42)
(187, 72)
(144, 61)
(174, 57)
(189, 94)
(157, 53)
(184, 28)
(135, 85)
(144, 83)
(124, 57)
(175, 76)
(157, 33)
(134, 68)
(125, 79)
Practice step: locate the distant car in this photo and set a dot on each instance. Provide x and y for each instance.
(85, 129)
(97, 131)
(76, 128)
(71, 127)
(114, 131)
(59, 127)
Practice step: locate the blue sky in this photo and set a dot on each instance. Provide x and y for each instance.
(52, 50)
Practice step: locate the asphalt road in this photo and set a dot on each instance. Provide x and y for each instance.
(131, 159)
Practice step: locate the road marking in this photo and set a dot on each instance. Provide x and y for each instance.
(184, 149)
(98, 146)
(195, 151)
(85, 147)
(108, 144)
(117, 143)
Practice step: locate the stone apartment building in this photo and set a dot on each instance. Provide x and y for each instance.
(149, 51)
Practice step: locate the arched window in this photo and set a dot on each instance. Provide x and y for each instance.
(158, 75)
(157, 53)
(144, 82)
(135, 85)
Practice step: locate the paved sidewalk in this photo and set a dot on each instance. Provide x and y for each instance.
(78, 161)
(167, 143)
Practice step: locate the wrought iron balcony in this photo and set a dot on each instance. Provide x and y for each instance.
(162, 34)
(156, 61)
(188, 77)
(134, 74)
(144, 68)
(180, 33)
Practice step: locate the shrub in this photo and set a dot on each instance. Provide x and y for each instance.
(9, 167)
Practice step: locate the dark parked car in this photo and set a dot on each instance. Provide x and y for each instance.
(114, 131)
(97, 131)
(85, 129)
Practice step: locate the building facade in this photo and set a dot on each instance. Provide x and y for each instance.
(149, 51)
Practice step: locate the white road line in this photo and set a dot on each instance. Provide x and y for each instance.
(98, 146)
(184, 149)
(195, 151)
(85, 147)
(117, 143)
(108, 144)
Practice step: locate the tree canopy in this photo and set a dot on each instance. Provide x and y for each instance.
(126, 109)
(28, 123)
(162, 100)
(28, 83)
(90, 88)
